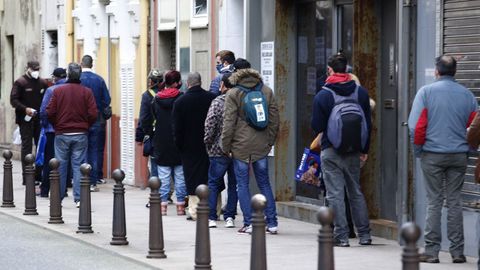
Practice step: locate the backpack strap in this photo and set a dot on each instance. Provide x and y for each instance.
(152, 93)
(341, 99)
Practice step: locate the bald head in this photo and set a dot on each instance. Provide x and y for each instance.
(194, 79)
(446, 65)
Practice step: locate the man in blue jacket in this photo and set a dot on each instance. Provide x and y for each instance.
(341, 166)
(441, 113)
(224, 60)
(96, 133)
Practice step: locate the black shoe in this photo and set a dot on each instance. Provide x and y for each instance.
(365, 242)
(342, 243)
(352, 235)
(459, 259)
(147, 205)
(428, 258)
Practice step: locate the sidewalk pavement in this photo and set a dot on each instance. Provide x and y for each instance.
(295, 246)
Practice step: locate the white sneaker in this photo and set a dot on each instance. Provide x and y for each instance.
(94, 188)
(229, 223)
(212, 223)
(272, 230)
(78, 204)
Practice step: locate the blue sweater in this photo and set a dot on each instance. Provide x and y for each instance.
(43, 108)
(215, 84)
(441, 113)
(324, 102)
(99, 89)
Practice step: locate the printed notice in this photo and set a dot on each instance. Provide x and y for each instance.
(267, 69)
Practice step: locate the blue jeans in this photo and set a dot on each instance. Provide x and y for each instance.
(165, 175)
(260, 169)
(49, 154)
(96, 145)
(218, 167)
(73, 147)
(341, 171)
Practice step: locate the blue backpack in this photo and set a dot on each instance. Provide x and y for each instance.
(347, 127)
(255, 107)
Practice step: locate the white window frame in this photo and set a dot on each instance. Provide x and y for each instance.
(170, 25)
(199, 21)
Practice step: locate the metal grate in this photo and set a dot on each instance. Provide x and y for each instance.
(461, 38)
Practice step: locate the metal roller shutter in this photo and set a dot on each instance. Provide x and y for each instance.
(461, 38)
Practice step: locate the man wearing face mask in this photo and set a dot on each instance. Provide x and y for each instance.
(224, 60)
(26, 97)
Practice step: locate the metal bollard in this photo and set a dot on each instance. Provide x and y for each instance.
(155, 236)
(85, 214)
(258, 257)
(119, 227)
(410, 257)
(325, 239)
(7, 200)
(30, 197)
(55, 201)
(202, 238)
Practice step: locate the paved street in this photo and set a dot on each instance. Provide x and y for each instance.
(295, 247)
(26, 246)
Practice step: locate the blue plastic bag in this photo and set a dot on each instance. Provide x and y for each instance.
(42, 142)
(309, 171)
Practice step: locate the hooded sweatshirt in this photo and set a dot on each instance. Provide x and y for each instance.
(324, 102)
(165, 150)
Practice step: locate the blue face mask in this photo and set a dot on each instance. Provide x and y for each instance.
(219, 67)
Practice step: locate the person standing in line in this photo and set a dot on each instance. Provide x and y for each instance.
(219, 162)
(58, 76)
(167, 156)
(247, 144)
(189, 114)
(344, 146)
(441, 113)
(96, 134)
(224, 60)
(26, 97)
(72, 111)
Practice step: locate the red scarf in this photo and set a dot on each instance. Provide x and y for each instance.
(168, 93)
(338, 78)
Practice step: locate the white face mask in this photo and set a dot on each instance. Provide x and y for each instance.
(35, 74)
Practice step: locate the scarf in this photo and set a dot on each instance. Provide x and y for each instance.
(338, 78)
(168, 93)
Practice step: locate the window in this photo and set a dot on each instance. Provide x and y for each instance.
(199, 14)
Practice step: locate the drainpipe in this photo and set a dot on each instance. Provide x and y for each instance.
(154, 33)
(109, 81)
(405, 74)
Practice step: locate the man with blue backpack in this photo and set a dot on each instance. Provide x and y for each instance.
(250, 127)
(341, 111)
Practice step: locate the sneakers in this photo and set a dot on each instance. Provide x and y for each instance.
(229, 223)
(212, 223)
(246, 229)
(272, 230)
(94, 188)
(459, 259)
(78, 204)
(365, 242)
(101, 181)
(429, 258)
(341, 243)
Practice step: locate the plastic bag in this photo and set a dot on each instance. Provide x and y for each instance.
(42, 141)
(309, 171)
(17, 139)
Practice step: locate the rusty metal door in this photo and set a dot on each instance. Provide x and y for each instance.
(388, 112)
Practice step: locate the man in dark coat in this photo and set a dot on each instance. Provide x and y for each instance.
(189, 113)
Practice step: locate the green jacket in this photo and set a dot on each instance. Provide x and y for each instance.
(238, 138)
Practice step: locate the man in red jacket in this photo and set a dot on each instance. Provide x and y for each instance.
(72, 111)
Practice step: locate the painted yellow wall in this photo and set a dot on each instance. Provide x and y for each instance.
(101, 64)
(115, 80)
(69, 50)
(141, 69)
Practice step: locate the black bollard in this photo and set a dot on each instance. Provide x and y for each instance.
(119, 227)
(155, 236)
(7, 200)
(325, 239)
(410, 257)
(55, 201)
(258, 256)
(202, 238)
(30, 197)
(85, 214)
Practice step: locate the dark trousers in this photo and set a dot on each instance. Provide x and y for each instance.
(30, 131)
(49, 154)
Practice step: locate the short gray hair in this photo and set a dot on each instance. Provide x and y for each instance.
(74, 71)
(194, 79)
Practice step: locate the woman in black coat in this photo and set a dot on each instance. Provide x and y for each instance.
(189, 114)
(165, 151)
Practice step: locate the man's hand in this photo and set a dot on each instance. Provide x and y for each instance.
(29, 111)
(364, 157)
